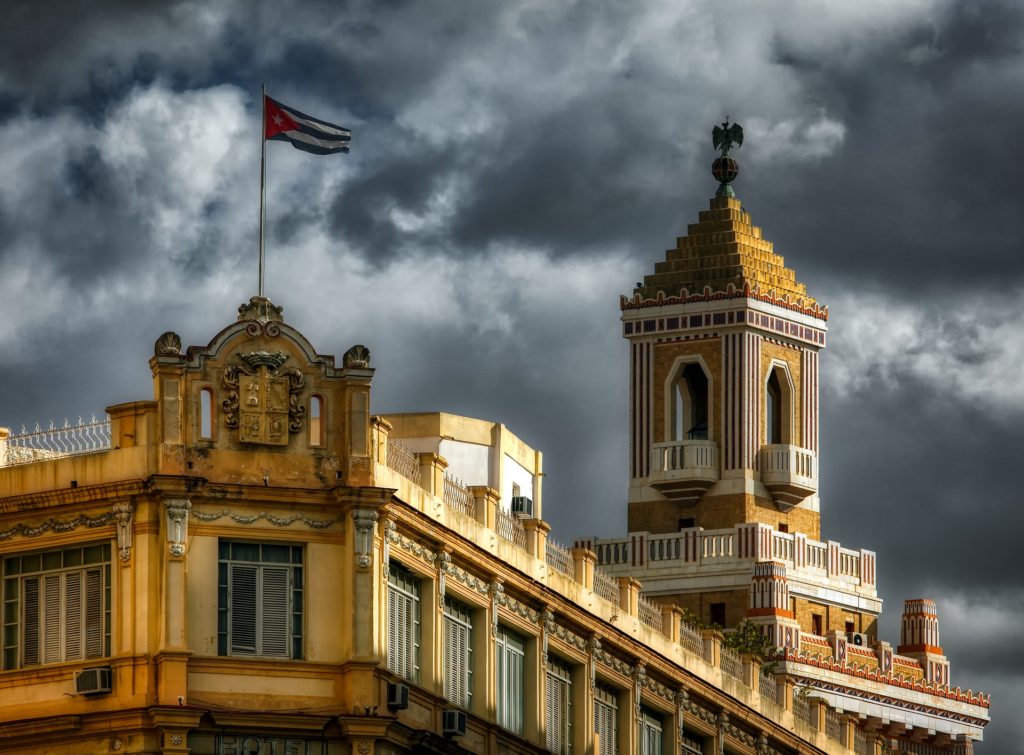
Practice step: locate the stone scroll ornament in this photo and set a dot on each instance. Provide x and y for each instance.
(262, 399)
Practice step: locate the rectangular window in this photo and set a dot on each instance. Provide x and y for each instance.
(458, 665)
(816, 624)
(717, 611)
(259, 600)
(606, 726)
(57, 606)
(651, 737)
(558, 699)
(403, 622)
(510, 663)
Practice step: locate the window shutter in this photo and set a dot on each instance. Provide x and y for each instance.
(51, 618)
(32, 621)
(551, 713)
(274, 608)
(94, 614)
(392, 629)
(73, 608)
(242, 591)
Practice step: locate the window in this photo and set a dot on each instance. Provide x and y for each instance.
(651, 737)
(57, 606)
(773, 410)
(558, 704)
(783, 527)
(259, 601)
(850, 627)
(690, 404)
(403, 622)
(687, 522)
(510, 650)
(516, 491)
(606, 712)
(458, 666)
(206, 414)
(717, 614)
(816, 624)
(316, 404)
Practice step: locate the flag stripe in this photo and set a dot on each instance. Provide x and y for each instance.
(315, 124)
(309, 143)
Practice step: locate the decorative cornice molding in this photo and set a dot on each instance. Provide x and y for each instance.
(57, 525)
(277, 521)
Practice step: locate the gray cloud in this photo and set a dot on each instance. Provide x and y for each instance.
(516, 166)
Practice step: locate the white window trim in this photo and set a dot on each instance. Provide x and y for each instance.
(510, 669)
(558, 706)
(458, 653)
(403, 622)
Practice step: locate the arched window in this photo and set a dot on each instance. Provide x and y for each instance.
(206, 414)
(778, 406)
(690, 404)
(316, 405)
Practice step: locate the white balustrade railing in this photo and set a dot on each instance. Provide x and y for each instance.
(404, 462)
(849, 563)
(789, 459)
(677, 455)
(782, 546)
(56, 441)
(558, 558)
(816, 556)
(649, 613)
(717, 544)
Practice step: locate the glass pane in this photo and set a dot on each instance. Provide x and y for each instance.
(245, 552)
(278, 554)
(93, 554)
(73, 557)
(30, 564)
(51, 560)
(12, 566)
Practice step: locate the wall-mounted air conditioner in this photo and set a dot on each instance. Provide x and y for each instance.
(398, 696)
(522, 506)
(92, 681)
(453, 723)
(857, 638)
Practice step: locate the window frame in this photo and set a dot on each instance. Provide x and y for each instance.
(457, 634)
(607, 698)
(89, 627)
(290, 607)
(558, 706)
(510, 679)
(404, 605)
(652, 732)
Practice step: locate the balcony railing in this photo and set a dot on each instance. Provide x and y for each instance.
(789, 472)
(606, 587)
(768, 687)
(458, 497)
(649, 613)
(731, 663)
(404, 462)
(56, 442)
(558, 558)
(681, 470)
(510, 527)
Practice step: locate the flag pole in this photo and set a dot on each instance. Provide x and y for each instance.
(263, 177)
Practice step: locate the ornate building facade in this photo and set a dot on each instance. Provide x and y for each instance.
(254, 563)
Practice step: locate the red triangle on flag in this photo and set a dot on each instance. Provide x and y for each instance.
(276, 120)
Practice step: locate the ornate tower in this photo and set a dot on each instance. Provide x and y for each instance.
(919, 639)
(724, 345)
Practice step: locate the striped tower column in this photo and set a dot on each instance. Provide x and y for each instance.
(741, 423)
(919, 639)
(641, 428)
(809, 399)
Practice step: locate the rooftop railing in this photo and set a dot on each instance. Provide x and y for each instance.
(510, 527)
(606, 587)
(458, 497)
(404, 462)
(56, 441)
(731, 663)
(649, 613)
(558, 557)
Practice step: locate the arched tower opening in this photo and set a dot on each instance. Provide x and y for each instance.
(689, 404)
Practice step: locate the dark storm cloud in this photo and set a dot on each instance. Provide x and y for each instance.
(881, 140)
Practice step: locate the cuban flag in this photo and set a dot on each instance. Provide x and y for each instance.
(282, 123)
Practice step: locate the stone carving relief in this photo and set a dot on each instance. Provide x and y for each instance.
(169, 344)
(358, 356)
(262, 399)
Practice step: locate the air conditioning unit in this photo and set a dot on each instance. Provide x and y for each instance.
(398, 696)
(857, 638)
(92, 681)
(453, 723)
(522, 506)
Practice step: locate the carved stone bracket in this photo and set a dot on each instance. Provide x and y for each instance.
(497, 597)
(363, 521)
(639, 680)
(593, 649)
(387, 534)
(682, 698)
(177, 524)
(123, 512)
(546, 620)
(444, 565)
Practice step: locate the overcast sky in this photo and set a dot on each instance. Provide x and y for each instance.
(515, 167)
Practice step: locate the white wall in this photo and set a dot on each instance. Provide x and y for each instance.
(514, 472)
(469, 463)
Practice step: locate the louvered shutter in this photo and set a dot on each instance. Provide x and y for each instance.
(273, 606)
(73, 609)
(605, 724)
(551, 713)
(242, 591)
(51, 618)
(33, 619)
(393, 629)
(94, 613)
(452, 686)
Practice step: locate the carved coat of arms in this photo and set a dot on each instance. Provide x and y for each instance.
(263, 399)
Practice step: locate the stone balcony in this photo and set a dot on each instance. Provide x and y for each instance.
(789, 472)
(682, 470)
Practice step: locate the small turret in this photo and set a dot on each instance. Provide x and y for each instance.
(919, 639)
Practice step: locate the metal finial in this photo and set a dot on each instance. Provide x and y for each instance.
(725, 168)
